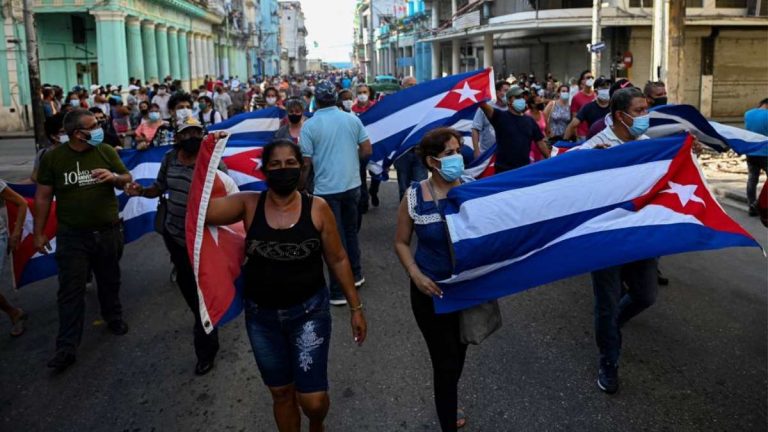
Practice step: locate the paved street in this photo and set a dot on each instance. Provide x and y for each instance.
(696, 361)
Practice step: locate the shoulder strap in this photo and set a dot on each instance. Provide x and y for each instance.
(445, 224)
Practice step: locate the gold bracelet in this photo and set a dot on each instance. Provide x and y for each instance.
(357, 308)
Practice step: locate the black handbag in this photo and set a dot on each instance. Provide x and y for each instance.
(478, 322)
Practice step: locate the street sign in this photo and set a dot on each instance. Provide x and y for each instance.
(596, 47)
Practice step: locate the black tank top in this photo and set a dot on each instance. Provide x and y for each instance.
(284, 267)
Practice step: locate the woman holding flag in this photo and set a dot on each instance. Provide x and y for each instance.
(420, 212)
(287, 309)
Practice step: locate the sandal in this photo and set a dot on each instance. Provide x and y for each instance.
(18, 325)
(461, 419)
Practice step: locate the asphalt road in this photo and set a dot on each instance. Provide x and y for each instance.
(696, 361)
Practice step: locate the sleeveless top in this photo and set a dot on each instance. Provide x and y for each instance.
(433, 249)
(283, 267)
(559, 119)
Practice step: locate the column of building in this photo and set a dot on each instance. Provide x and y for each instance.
(184, 59)
(149, 46)
(111, 50)
(193, 72)
(135, 48)
(199, 59)
(163, 62)
(173, 53)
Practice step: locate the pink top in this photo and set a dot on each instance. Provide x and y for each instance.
(579, 100)
(535, 154)
(148, 129)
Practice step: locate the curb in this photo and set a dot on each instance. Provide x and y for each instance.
(731, 199)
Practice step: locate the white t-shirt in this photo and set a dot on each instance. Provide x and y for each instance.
(607, 137)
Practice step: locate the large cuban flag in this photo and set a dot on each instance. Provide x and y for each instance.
(671, 119)
(216, 252)
(580, 212)
(249, 132)
(399, 121)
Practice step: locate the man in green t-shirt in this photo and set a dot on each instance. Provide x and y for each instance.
(83, 175)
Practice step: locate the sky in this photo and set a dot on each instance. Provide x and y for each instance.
(330, 24)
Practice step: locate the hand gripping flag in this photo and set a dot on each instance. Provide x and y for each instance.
(249, 132)
(399, 121)
(216, 252)
(671, 119)
(579, 212)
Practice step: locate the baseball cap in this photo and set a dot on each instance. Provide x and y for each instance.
(325, 92)
(189, 122)
(514, 91)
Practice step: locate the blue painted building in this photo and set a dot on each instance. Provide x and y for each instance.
(269, 49)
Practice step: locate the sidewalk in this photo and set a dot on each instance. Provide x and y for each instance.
(17, 134)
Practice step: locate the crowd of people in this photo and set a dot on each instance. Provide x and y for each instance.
(310, 215)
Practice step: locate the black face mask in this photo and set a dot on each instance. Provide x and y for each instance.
(659, 101)
(283, 181)
(295, 118)
(144, 112)
(191, 145)
(540, 106)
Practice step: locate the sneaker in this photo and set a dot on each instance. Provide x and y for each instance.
(203, 367)
(338, 301)
(608, 378)
(661, 279)
(359, 281)
(375, 199)
(118, 327)
(61, 361)
(753, 210)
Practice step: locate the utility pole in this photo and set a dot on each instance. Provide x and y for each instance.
(371, 46)
(34, 76)
(596, 35)
(676, 53)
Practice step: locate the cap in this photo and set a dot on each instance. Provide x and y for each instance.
(514, 91)
(189, 122)
(325, 92)
(620, 83)
(132, 87)
(602, 82)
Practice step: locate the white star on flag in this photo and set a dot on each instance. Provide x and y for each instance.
(466, 93)
(685, 193)
(257, 162)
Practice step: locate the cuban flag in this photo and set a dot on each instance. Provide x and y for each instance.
(249, 132)
(671, 119)
(579, 212)
(216, 252)
(399, 121)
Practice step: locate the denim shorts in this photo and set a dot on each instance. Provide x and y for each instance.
(291, 345)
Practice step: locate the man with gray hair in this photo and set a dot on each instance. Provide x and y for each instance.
(83, 175)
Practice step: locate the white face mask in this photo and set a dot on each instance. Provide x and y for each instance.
(271, 100)
(63, 138)
(604, 94)
(590, 82)
(182, 114)
(362, 98)
(347, 104)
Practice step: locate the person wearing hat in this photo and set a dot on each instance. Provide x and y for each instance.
(332, 143)
(514, 131)
(175, 178)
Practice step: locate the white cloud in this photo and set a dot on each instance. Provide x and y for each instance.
(330, 23)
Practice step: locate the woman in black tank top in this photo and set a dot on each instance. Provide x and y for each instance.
(286, 300)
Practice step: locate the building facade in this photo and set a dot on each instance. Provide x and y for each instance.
(725, 64)
(293, 36)
(269, 49)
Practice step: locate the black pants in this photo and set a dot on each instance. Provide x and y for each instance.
(755, 164)
(78, 252)
(441, 332)
(206, 345)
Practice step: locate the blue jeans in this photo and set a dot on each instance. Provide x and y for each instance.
(409, 169)
(345, 207)
(291, 345)
(613, 310)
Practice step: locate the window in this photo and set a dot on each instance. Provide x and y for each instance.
(731, 3)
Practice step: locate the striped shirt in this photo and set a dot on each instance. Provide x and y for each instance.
(173, 181)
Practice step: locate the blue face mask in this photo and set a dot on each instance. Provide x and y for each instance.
(451, 167)
(639, 126)
(154, 115)
(97, 137)
(519, 105)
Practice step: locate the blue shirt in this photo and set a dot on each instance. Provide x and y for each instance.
(433, 253)
(331, 138)
(756, 120)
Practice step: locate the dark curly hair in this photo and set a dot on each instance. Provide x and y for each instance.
(433, 143)
(266, 154)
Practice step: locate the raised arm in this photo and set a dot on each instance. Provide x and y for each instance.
(229, 209)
